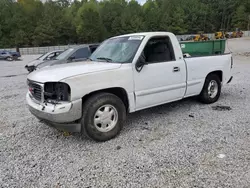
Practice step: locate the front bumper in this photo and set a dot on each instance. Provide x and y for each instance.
(63, 116)
(30, 68)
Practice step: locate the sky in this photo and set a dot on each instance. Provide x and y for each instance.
(141, 1)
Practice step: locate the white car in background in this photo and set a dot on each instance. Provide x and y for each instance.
(45, 57)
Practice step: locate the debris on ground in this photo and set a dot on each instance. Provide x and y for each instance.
(66, 133)
(221, 156)
(118, 147)
(246, 54)
(145, 128)
(9, 76)
(221, 108)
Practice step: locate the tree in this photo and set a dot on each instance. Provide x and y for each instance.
(177, 24)
(111, 12)
(132, 18)
(32, 23)
(89, 24)
(240, 19)
(26, 16)
(152, 16)
(53, 28)
(43, 34)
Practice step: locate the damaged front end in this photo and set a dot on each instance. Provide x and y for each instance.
(55, 92)
(51, 102)
(30, 68)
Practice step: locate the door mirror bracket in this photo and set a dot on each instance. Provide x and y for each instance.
(140, 63)
(71, 58)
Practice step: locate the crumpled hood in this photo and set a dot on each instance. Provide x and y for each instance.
(35, 62)
(50, 63)
(60, 72)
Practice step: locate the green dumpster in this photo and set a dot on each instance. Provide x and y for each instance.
(203, 48)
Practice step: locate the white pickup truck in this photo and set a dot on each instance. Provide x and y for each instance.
(125, 74)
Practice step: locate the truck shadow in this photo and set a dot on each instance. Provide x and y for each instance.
(13, 75)
(157, 112)
(150, 118)
(137, 120)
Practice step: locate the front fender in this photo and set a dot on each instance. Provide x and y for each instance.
(82, 85)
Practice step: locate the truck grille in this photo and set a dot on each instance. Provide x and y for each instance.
(35, 90)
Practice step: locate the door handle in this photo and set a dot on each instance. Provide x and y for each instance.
(176, 69)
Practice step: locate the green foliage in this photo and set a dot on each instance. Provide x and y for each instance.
(111, 15)
(152, 15)
(32, 23)
(132, 18)
(240, 19)
(89, 23)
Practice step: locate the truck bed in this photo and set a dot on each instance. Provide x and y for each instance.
(199, 66)
(203, 48)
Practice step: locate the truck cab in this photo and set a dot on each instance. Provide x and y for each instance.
(125, 74)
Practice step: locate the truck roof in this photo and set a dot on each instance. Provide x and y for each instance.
(150, 34)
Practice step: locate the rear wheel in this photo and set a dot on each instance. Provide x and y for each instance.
(15, 57)
(10, 58)
(103, 116)
(211, 90)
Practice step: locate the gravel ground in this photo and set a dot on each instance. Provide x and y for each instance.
(182, 144)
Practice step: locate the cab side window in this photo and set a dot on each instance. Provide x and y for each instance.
(58, 53)
(158, 50)
(92, 48)
(82, 53)
(50, 56)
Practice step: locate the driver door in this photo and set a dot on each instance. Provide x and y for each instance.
(163, 78)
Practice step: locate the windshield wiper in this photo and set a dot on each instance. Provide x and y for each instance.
(105, 58)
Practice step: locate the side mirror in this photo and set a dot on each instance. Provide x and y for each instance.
(140, 63)
(71, 58)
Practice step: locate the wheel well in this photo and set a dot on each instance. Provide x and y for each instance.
(218, 73)
(118, 91)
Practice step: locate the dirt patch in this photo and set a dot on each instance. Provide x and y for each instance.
(8, 76)
(9, 96)
(246, 54)
(222, 108)
(13, 75)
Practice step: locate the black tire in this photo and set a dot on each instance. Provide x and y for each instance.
(15, 57)
(10, 58)
(204, 96)
(91, 106)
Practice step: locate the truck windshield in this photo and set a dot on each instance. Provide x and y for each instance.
(64, 54)
(117, 50)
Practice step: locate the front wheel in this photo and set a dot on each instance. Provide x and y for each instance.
(103, 116)
(211, 90)
(10, 58)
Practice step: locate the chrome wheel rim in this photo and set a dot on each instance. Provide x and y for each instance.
(105, 118)
(213, 88)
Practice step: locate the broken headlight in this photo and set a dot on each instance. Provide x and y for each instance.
(56, 91)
